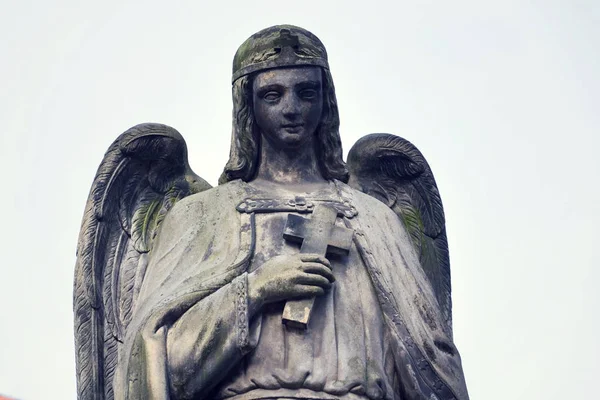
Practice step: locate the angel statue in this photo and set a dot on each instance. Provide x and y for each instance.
(300, 276)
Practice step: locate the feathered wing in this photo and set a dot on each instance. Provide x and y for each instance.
(143, 173)
(395, 172)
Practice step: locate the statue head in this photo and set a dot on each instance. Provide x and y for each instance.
(278, 47)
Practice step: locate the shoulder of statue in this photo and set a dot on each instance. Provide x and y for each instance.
(357, 198)
(219, 197)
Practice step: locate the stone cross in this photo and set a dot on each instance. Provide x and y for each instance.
(318, 235)
(286, 39)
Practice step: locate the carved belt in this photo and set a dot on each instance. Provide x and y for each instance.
(298, 204)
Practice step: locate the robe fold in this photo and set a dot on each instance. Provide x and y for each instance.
(197, 273)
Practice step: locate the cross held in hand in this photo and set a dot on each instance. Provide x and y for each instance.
(318, 235)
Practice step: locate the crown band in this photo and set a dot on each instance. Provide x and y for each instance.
(272, 64)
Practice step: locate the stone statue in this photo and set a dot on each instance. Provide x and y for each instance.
(300, 276)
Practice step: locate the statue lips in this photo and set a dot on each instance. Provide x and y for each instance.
(293, 128)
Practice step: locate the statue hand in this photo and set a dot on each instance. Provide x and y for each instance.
(289, 277)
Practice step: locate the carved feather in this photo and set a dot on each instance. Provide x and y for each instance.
(395, 172)
(129, 269)
(147, 207)
(130, 191)
(143, 173)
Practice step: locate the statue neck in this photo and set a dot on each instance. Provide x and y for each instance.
(294, 166)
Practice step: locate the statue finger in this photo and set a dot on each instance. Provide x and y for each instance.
(310, 291)
(310, 257)
(314, 280)
(319, 269)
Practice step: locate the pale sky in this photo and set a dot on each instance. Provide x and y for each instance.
(502, 98)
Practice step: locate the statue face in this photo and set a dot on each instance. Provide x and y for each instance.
(287, 105)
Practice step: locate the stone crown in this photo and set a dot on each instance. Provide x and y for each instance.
(278, 46)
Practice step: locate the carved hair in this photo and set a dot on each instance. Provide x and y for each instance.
(245, 138)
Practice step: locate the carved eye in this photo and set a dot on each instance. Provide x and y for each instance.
(271, 96)
(308, 94)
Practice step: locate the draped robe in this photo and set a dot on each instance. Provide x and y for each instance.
(191, 328)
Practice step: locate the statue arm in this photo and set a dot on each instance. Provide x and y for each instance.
(215, 333)
(211, 337)
(192, 323)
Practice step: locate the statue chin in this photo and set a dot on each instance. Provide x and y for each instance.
(288, 138)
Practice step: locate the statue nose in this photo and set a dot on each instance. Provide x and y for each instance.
(291, 106)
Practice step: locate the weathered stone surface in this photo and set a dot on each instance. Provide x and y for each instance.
(180, 288)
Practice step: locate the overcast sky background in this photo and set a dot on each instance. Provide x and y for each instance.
(503, 99)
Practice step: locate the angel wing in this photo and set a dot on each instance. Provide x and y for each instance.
(395, 172)
(143, 173)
